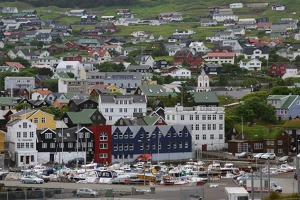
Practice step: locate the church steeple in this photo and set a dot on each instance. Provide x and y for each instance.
(203, 82)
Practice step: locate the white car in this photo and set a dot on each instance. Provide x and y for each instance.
(32, 179)
(258, 155)
(268, 156)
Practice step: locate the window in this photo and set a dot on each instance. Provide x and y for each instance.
(220, 127)
(48, 135)
(197, 126)
(147, 135)
(174, 145)
(19, 146)
(52, 145)
(70, 145)
(192, 127)
(90, 144)
(214, 126)
(203, 117)
(106, 109)
(279, 142)
(87, 134)
(21, 158)
(180, 145)
(131, 135)
(239, 149)
(141, 135)
(153, 146)
(180, 133)
(211, 136)
(197, 137)
(24, 134)
(125, 135)
(22, 145)
(24, 125)
(103, 136)
(186, 145)
(197, 117)
(258, 145)
(27, 145)
(111, 110)
(181, 117)
(208, 126)
(220, 117)
(214, 117)
(169, 145)
(191, 117)
(120, 147)
(141, 146)
(32, 158)
(120, 109)
(35, 120)
(61, 145)
(220, 136)
(18, 134)
(31, 134)
(204, 127)
(204, 137)
(120, 135)
(43, 120)
(103, 155)
(169, 134)
(125, 147)
(31, 145)
(280, 150)
(44, 145)
(130, 147)
(208, 117)
(186, 134)
(103, 145)
(174, 134)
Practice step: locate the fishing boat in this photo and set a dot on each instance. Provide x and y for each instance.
(173, 181)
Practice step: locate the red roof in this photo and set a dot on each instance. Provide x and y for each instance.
(101, 52)
(220, 54)
(98, 87)
(144, 157)
(44, 92)
(15, 64)
(263, 24)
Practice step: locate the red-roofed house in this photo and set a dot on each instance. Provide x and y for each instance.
(17, 65)
(220, 57)
(40, 94)
(263, 26)
(99, 55)
(187, 56)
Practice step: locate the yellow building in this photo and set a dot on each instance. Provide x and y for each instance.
(42, 119)
(113, 88)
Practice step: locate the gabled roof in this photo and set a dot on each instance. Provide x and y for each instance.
(205, 97)
(294, 123)
(220, 54)
(15, 64)
(153, 90)
(258, 132)
(130, 122)
(151, 120)
(100, 52)
(43, 92)
(82, 117)
(62, 75)
(289, 99)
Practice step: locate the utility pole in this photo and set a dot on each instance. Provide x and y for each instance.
(269, 184)
(261, 184)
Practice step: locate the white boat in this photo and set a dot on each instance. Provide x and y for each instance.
(106, 176)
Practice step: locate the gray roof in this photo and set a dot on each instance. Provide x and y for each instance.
(250, 50)
(136, 67)
(111, 98)
(123, 75)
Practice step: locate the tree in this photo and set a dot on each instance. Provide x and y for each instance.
(23, 61)
(281, 90)
(185, 97)
(57, 112)
(223, 80)
(52, 84)
(111, 67)
(22, 106)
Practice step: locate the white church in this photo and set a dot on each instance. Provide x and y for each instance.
(203, 82)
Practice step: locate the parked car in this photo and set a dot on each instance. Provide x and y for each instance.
(244, 155)
(286, 159)
(86, 192)
(258, 155)
(268, 156)
(32, 179)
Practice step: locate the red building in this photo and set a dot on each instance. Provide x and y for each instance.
(279, 69)
(73, 57)
(102, 143)
(188, 57)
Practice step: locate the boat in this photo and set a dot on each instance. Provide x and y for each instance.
(106, 176)
(171, 181)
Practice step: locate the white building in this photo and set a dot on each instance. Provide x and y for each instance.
(203, 82)
(19, 82)
(236, 5)
(179, 73)
(40, 94)
(113, 107)
(199, 47)
(220, 57)
(69, 66)
(291, 72)
(222, 17)
(278, 7)
(72, 85)
(207, 124)
(250, 64)
(21, 135)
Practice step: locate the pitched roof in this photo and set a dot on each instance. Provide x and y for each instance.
(82, 117)
(43, 92)
(290, 99)
(294, 123)
(259, 132)
(220, 54)
(150, 120)
(153, 90)
(111, 98)
(100, 52)
(15, 64)
(205, 97)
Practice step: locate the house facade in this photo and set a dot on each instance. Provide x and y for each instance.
(19, 82)
(287, 106)
(220, 57)
(250, 64)
(113, 107)
(207, 124)
(21, 136)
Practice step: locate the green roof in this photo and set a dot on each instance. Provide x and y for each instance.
(258, 132)
(205, 97)
(289, 99)
(294, 123)
(150, 120)
(63, 75)
(63, 100)
(153, 90)
(87, 41)
(7, 100)
(82, 117)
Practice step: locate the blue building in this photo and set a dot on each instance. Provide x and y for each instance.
(287, 106)
(129, 142)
